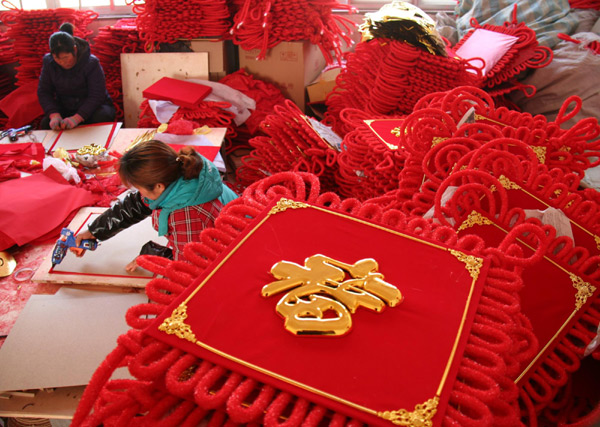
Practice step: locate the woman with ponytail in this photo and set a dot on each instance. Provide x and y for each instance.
(182, 191)
(72, 88)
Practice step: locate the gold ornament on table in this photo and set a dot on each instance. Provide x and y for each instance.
(405, 22)
(90, 155)
(7, 264)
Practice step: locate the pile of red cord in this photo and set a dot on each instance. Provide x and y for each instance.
(7, 56)
(30, 31)
(266, 96)
(166, 21)
(262, 24)
(584, 4)
(526, 53)
(291, 143)
(388, 77)
(111, 41)
(368, 167)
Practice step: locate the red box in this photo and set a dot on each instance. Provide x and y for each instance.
(179, 92)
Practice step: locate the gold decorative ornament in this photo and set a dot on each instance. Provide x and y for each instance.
(473, 264)
(474, 218)
(204, 130)
(584, 290)
(92, 149)
(540, 152)
(146, 136)
(90, 155)
(175, 324)
(508, 184)
(437, 140)
(422, 416)
(7, 264)
(61, 153)
(405, 22)
(321, 295)
(284, 204)
(162, 128)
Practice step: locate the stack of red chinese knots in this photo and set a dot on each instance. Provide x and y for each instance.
(7, 56)
(111, 41)
(165, 21)
(30, 30)
(526, 53)
(383, 154)
(388, 77)
(262, 24)
(291, 143)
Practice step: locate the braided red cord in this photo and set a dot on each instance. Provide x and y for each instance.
(291, 144)
(109, 43)
(30, 30)
(389, 77)
(262, 24)
(166, 21)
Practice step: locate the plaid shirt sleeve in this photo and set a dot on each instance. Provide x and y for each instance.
(186, 224)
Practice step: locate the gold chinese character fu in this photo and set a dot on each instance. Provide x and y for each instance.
(321, 295)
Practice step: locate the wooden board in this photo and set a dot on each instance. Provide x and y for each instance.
(106, 265)
(140, 70)
(101, 134)
(59, 403)
(60, 340)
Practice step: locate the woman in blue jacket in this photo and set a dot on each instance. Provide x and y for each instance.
(72, 89)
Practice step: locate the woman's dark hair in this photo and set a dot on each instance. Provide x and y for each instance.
(153, 162)
(62, 41)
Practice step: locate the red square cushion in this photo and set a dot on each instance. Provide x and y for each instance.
(298, 302)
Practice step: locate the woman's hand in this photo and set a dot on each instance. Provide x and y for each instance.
(56, 121)
(83, 235)
(132, 266)
(72, 122)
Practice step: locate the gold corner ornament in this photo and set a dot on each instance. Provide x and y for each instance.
(508, 184)
(321, 295)
(422, 416)
(175, 324)
(284, 204)
(584, 290)
(540, 152)
(474, 218)
(472, 263)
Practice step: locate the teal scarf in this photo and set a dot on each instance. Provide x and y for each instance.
(191, 192)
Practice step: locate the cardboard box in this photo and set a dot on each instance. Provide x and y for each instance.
(291, 66)
(220, 52)
(319, 89)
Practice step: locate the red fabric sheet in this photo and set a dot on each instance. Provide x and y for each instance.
(36, 205)
(391, 360)
(21, 106)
